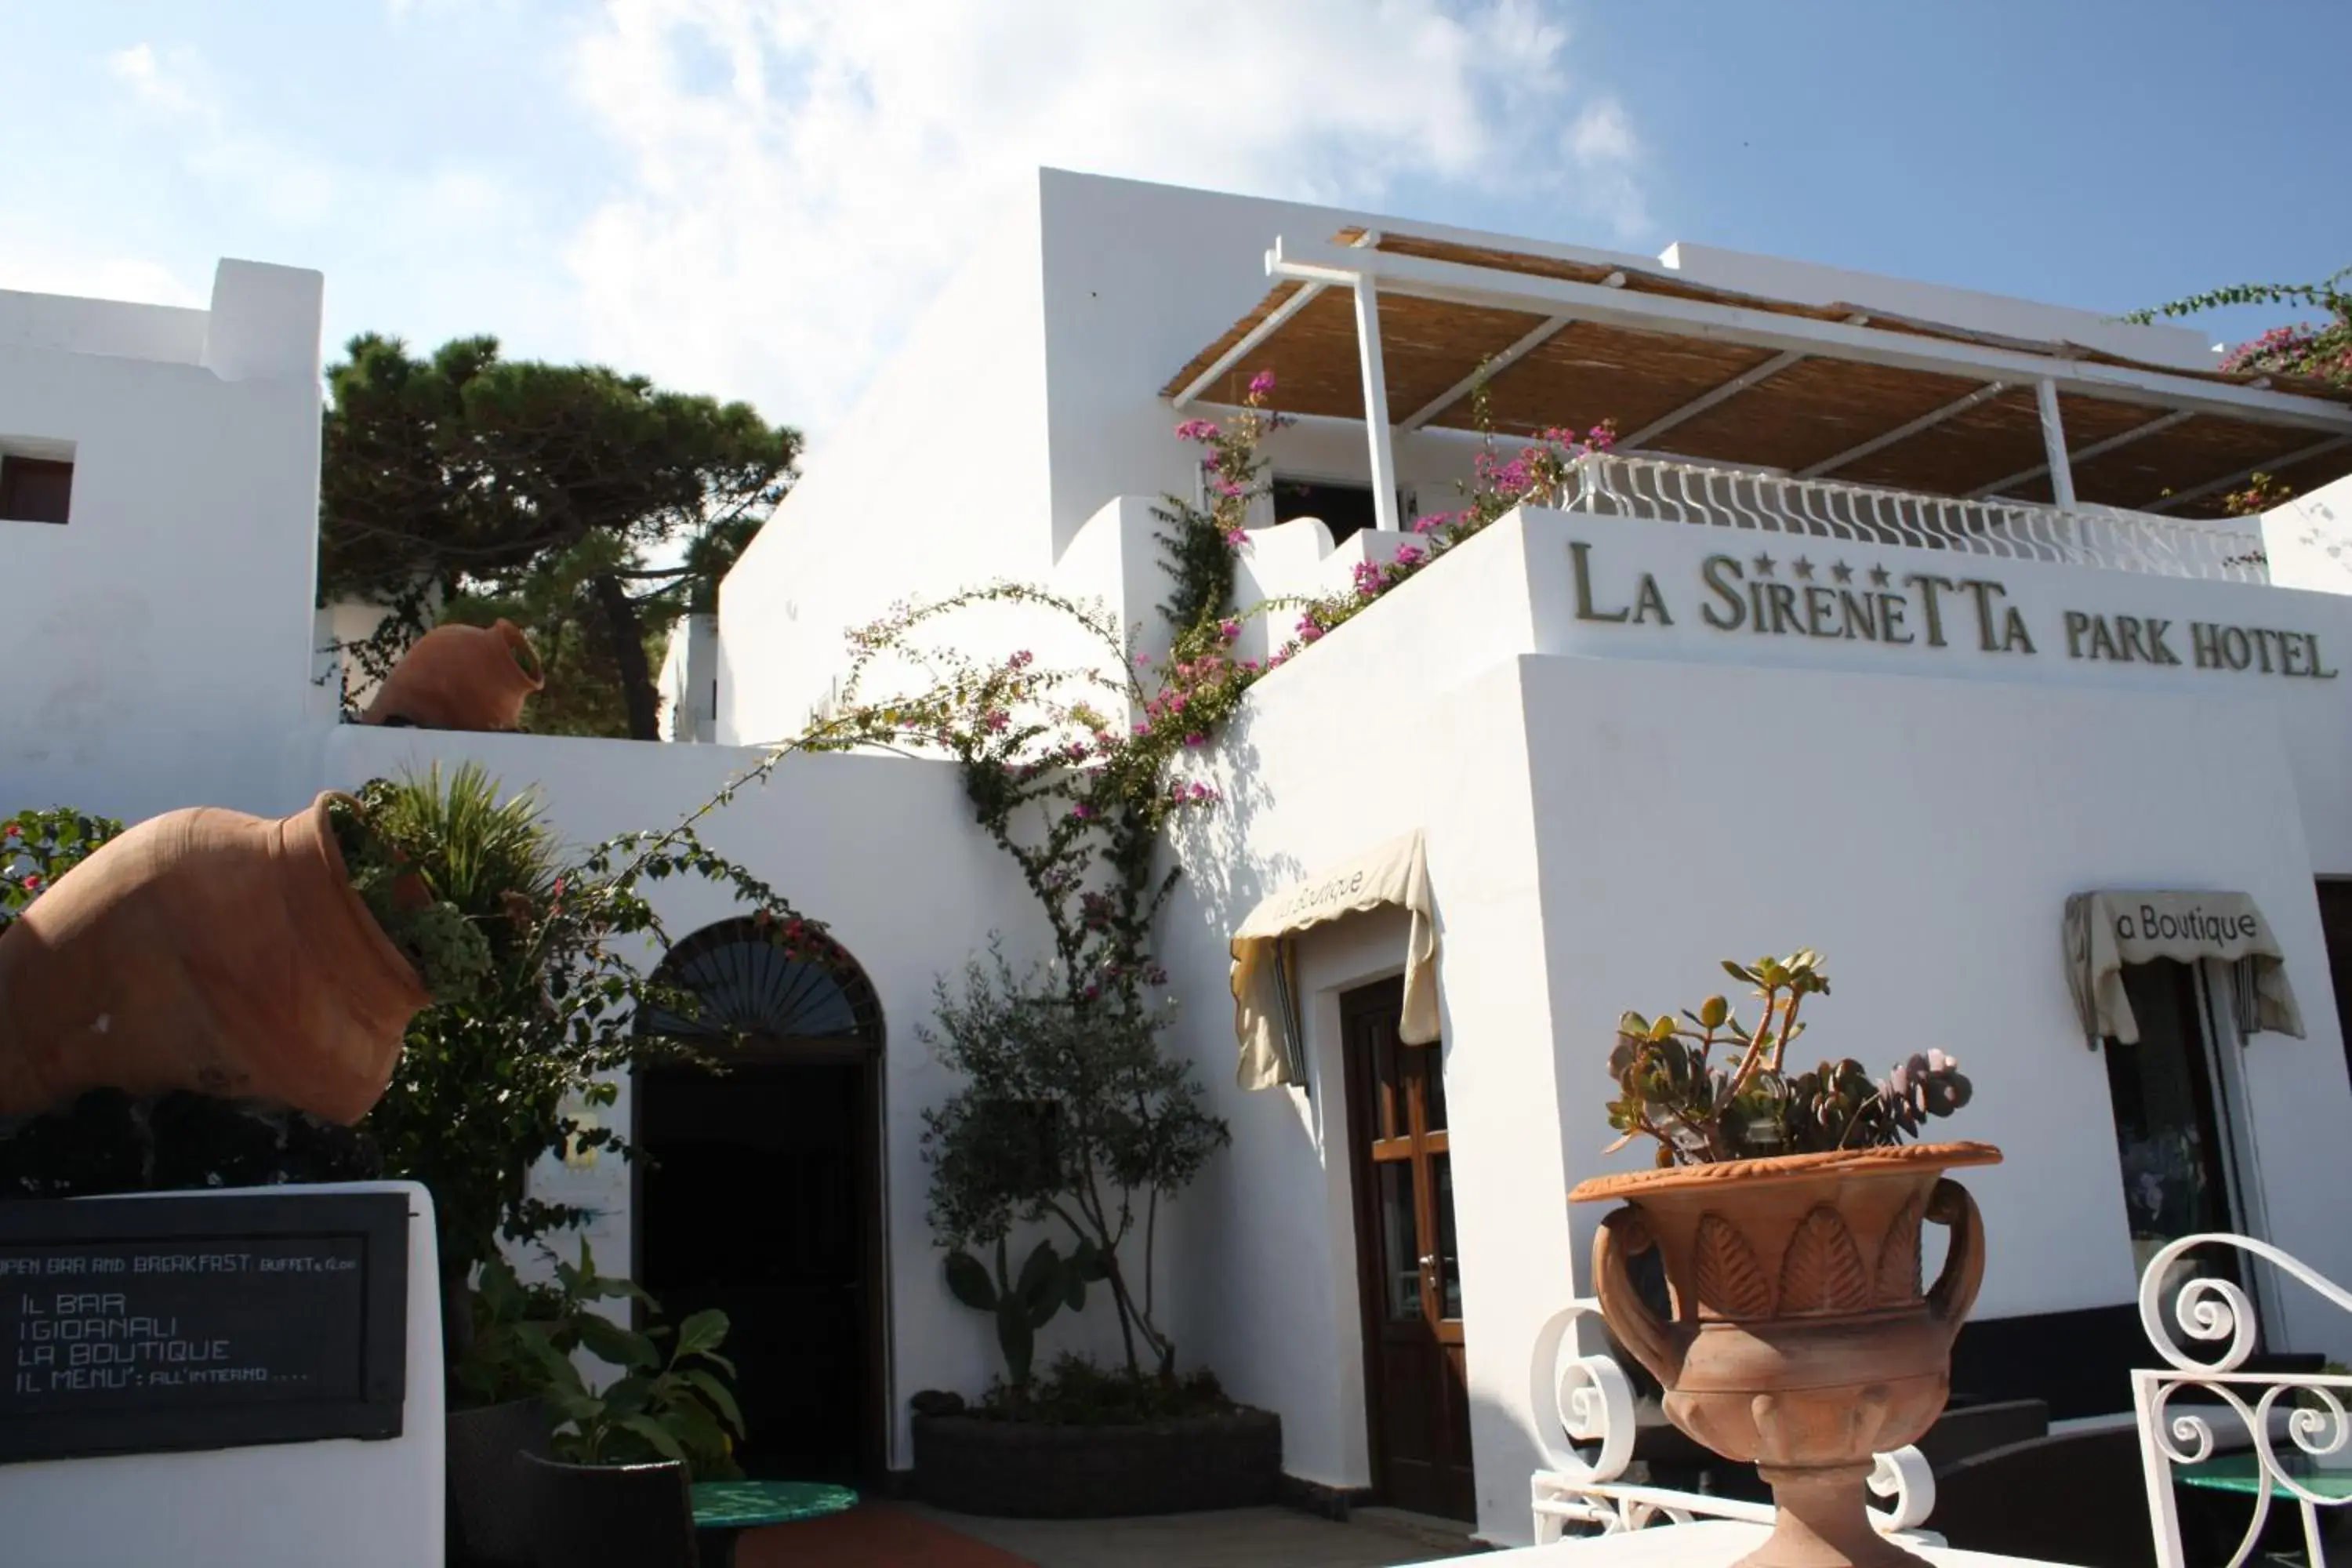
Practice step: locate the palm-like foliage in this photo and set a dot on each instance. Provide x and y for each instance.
(518, 1067)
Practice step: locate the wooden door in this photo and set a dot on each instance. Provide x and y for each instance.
(1416, 1391)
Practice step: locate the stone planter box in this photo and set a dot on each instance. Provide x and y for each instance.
(1026, 1471)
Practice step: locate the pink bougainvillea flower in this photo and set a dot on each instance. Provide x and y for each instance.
(1021, 660)
(1229, 628)
(1262, 384)
(1196, 739)
(1237, 537)
(1196, 430)
(32, 881)
(996, 721)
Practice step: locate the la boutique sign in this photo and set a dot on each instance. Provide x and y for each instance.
(1768, 595)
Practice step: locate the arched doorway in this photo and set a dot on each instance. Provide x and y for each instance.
(762, 1195)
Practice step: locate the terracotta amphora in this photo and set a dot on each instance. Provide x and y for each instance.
(1800, 1339)
(460, 677)
(210, 951)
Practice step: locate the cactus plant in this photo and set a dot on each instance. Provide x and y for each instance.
(1047, 1283)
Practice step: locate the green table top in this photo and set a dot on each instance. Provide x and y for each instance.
(2242, 1473)
(741, 1505)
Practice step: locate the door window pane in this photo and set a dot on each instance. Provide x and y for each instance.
(1399, 1246)
(2168, 1131)
(1449, 1272)
(1433, 1072)
(1387, 1084)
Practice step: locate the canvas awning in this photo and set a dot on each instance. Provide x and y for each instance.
(2107, 931)
(1396, 872)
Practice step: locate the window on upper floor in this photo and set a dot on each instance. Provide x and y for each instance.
(1345, 509)
(34, 490)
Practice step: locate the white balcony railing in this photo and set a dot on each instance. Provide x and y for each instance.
(2081, 536)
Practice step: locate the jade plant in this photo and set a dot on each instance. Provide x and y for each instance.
(1747, 1104)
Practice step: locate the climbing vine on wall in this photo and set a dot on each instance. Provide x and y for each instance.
(2322, 351)
(1072, 769)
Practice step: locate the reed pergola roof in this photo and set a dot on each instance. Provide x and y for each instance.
(1818, 391)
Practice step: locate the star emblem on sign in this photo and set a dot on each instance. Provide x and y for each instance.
(1842, 572)
(1878, 577)
(1763, 566)
(1803, 568)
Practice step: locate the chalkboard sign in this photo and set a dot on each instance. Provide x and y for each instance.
(132, 1325)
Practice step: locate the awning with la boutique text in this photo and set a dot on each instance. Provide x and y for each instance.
(2106, 930)
(1265, 1016)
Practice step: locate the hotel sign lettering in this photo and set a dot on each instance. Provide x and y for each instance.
(1785, 596)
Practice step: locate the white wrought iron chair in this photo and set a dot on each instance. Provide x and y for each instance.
(2309, 1409)
(1585, 1400)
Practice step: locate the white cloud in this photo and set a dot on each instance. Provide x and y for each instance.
(797, 175)
(138, 69)
(94, 274)
(1603, 146)
(176, 91)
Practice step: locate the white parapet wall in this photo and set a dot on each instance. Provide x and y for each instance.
(353, 1502)
(2309, 540)
(160, 649)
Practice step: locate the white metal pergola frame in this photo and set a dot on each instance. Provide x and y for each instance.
(1367, 272)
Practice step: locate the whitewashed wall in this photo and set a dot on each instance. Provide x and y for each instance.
(881, 848)
(1612, 808)
(688, 684)
(2309, 540)
(159, 646)
(1027, 399)
(936, 480)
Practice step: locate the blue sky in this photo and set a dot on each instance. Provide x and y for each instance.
(751, 196)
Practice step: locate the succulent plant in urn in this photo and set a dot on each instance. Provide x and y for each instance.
(1788, 1209)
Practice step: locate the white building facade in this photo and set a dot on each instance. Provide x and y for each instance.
(1902, 619)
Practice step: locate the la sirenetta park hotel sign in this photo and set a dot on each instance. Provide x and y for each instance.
(1788, 593)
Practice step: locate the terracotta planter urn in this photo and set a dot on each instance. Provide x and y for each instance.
(208, 950)
(460, 677)
(1800, 1339)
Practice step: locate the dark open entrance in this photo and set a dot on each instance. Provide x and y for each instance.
(1346, 509)
(762, 1195)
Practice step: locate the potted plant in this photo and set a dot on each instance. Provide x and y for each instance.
(668, 1402)
(458, 676)
(276, 960)
(1788, 1210)
(1071, 1115)
(519, 1388)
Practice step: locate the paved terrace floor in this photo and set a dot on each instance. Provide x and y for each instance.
(908, 1535)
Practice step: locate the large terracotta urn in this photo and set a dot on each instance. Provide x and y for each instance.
(1800, 1339)
(209, 951)
(460, 677)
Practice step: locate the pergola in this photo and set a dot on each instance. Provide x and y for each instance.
(1396, 330)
